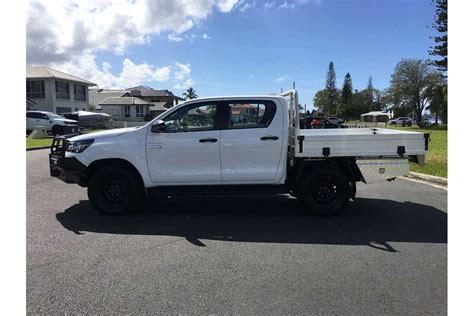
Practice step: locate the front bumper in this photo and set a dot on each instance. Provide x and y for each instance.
(67, 169)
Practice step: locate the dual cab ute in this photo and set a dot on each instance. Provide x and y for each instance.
(244, 144)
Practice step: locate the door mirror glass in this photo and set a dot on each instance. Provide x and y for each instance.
(158, 127)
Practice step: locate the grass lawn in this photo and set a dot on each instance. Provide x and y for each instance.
(437, 158)
(40, 142)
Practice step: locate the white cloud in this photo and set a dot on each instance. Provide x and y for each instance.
(62, 30)
(226, 5)
(280, 79)
(67, 34)
(131, 74)
(191, 37)
(295, 3)
(182, 71)
(184, 85)
(268, 5)
(205, 36)
(162, 74)
(244, 6)
(174, 38)
(287, 5)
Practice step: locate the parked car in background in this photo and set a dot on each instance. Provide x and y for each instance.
(403, 121)
(428, 122)
(322, 122)
(54, 123)
(91, 119)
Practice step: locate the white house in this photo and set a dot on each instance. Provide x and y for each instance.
(375, 116)
(130, 109)
(55, 91)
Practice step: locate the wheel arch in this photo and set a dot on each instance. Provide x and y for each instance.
(113, 161)
(347, 165)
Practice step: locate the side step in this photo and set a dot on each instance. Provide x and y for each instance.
(218, 189)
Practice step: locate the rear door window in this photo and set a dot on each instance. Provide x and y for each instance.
(250, 114)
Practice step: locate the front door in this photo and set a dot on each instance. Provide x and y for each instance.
(35, 119)
(251, 143)
(188, 152)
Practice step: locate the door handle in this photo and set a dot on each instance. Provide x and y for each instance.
(208, 140)
(269, 138)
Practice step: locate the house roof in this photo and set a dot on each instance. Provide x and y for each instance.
(146, 91)
(41, 72)
(96, 96)
(123, 101)
(158, 106)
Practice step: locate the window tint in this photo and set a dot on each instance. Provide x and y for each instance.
(126, 110)
(35, 89)
(195, 117)
(79, 92)
(140, 112)
(62, 90)
(44, 117)
(251, 114)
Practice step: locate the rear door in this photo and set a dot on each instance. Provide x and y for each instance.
(251, 142)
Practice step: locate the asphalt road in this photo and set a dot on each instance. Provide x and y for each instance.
(386, 254)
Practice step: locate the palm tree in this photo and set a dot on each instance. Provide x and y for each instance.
(190, 94)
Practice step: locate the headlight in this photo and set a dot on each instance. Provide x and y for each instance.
(78, 146)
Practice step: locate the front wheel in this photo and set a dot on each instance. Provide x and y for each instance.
(327, 191)
(56, 130)
(114, 190)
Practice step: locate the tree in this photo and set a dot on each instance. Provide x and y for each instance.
(346, 92)
(321, 101)
(331, 89)
(413, 82)
(441, 25)
(370, 85)
(439, 104)
(190, 94)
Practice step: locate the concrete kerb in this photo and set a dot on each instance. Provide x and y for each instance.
(425, 177)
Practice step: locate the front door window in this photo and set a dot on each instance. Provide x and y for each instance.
(196, 117)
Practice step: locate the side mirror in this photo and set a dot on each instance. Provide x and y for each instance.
(158, 127)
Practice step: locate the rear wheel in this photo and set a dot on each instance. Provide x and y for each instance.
(115, 190)
(326, 191)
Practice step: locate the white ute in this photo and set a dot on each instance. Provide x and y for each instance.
(244, 144)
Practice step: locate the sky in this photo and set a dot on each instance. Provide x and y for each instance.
(228, 47)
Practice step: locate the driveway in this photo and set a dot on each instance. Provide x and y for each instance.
(386, 254)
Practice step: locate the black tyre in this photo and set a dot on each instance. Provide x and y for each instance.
(56, 130)
(326, 191)
(115, 190)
